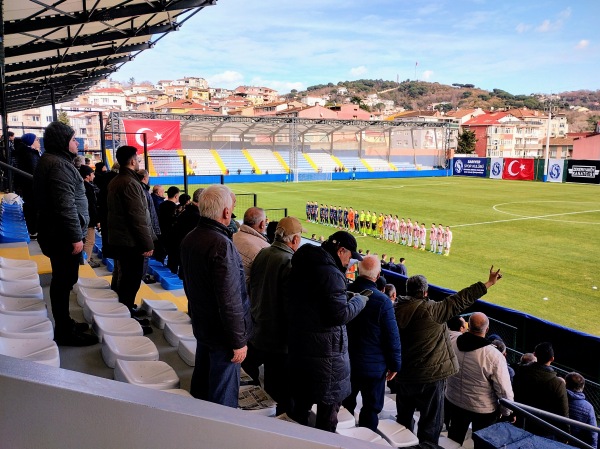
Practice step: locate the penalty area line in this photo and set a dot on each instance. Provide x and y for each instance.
(538, 217)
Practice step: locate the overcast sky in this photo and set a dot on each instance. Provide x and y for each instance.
(524, 46)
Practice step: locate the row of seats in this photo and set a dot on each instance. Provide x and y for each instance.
(26, 332)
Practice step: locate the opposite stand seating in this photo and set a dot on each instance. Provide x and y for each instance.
(156, 374)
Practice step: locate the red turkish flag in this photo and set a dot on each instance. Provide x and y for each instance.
(160, 134)
(518, 169)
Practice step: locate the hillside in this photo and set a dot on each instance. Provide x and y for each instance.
(415, 95)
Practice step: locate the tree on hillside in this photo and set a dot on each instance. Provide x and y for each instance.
(131, 81)
(63, 117)
(466, 142)
(593, 122)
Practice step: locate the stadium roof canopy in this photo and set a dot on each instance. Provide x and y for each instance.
(56, 49)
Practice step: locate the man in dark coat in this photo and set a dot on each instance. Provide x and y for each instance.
(130, 232)
(90, 193)
(427, 356)
(215, 285)
(28, 155)
(374, 345)
(185, 223)
(63, 210)
(318, 313)
(538, 385)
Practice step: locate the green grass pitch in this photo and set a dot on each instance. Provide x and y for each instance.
(544, 236)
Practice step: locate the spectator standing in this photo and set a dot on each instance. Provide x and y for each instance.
(474, 392)
(537, 385)
(401, 267)
(186, 221)
(90, 193)
(130, 228)
(580, 409)
(318, 313)
(144, 178)
(64, 212)
(158, 196)
(427, 357)
(374, 346)
(28, 155)
(166, 218)
(269, 296)
(214, 283)
(101, 181)
(251, 237)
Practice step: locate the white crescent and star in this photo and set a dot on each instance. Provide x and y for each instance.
(509, 169)
(140, 142)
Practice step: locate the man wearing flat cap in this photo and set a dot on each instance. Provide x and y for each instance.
(269, 294)
(319, 309)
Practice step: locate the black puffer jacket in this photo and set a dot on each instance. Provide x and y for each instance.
(318, 312)
(215, 285)
(60, 196)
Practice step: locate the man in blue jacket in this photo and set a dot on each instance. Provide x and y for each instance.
(319, 310)
(374, 346)
(215, 285)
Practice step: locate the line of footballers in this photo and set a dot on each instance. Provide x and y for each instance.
(385, 227)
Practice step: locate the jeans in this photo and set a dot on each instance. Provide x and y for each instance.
(65, 271)
(461, 418)
(215, 378)
(428, 398)
(373, 394)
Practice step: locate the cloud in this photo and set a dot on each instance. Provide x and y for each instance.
(358, 71)
(565, 14)
(228, 78)
(282, 87)
(545, 26)
(522, 27)
(427, 74)
(583, 43)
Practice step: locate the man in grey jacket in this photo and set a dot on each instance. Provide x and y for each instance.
(427, 356)
(482, 380)
(269, 277)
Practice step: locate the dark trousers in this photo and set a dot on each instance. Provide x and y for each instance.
(215, 378)
(326, 414)
(30, 209)
(130, 269)
(372, 391)
(461, 418)
(65, 271)
(428, 398)
(276, 372)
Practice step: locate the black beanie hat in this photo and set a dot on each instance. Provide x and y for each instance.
(57, 137)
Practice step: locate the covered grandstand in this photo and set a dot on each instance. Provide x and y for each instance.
(268, 145)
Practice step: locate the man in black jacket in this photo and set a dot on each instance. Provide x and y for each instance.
(215, 285)
(319, 310)
(130, 232)
(63, 210)
(90, 193)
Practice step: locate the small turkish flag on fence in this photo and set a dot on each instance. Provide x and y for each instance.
(160, 134)
(518, 169)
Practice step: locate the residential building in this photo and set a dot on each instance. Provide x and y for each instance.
(106, 97)
(257, 94)
(181, 107)
(561, 147)
(464, 115)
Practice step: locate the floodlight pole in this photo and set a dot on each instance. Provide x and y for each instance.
(551, 109)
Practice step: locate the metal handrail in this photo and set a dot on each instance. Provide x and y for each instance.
(16, 170)
(531, 412)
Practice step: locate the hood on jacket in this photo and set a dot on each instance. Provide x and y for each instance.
(468, 342)
(332, 251)
(575, 394)
(56, 139)
(314, 256)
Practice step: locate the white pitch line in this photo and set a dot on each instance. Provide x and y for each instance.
(526, 218)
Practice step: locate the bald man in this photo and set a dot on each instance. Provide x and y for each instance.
(251, 237)
(473, 393)
(373, 344)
